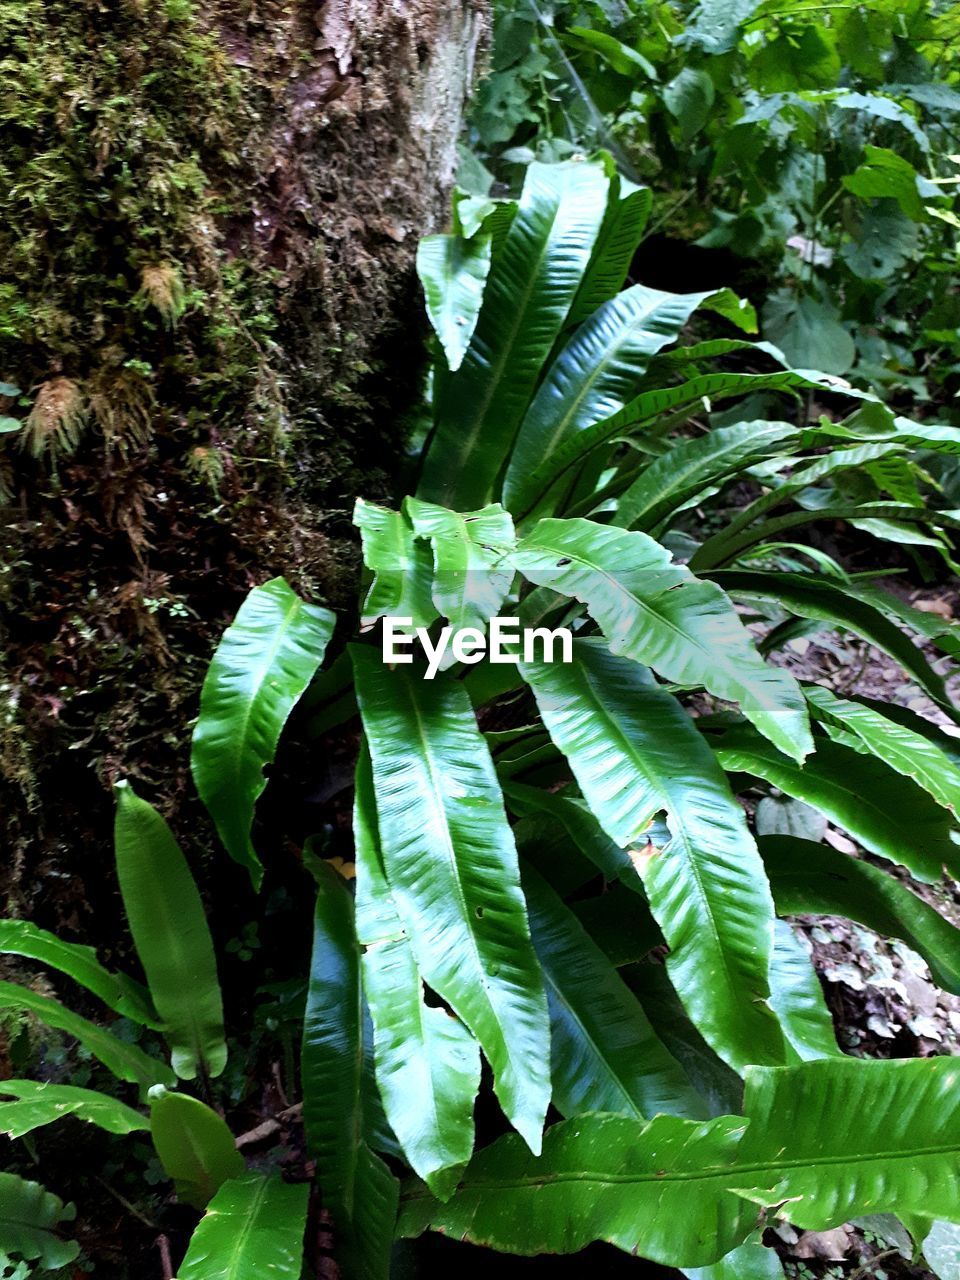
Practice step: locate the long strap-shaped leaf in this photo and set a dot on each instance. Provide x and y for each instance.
(604, 1054)
(658, 613)
(553, 473)
(594, 376)
(886, 812)
(117, 991)
(356, 1185)
(833, 1139)
(797, 997)
(30, 1218)
(814, 879)
(33, 1105)
(262, 665)
(171, 935)
(427, 1062)
(453, 271)
(126, 1061)
(685, 472)
(253, 1228)
(839, 604)
(471, 574)
(628, 208)
(635, 754)
(401, 565)
(870, 732)
(534, 277)
(451, 862)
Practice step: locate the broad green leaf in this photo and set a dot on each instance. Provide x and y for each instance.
(886, 175)
(33, 1105)
(453, 271)
(884, 811)
(628, 208)
(265, 660)
(450, 859)
(427, 1062)
(555, 471)
(117, 991)
(357, 1187)
(797, 998)
(30, 1220)
(813, 879)
(808, 332)
(688, 97)
(658, 613)
(471, 572)
(636, 754)
(401, 566)
(534, 277)
(604, 1054)
(623, 59)
(691, 469)
(194, 1145)
(252, 1228)
(751, 1261)
(594, 376)
(126, 1061)
(579, 823)
(840, 605)
(171, 935)
(833, 1138)
(909, 753)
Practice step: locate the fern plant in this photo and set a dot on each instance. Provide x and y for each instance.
(182, 1002)
(529, 837)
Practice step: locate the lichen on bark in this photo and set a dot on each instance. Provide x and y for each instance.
(208, 218)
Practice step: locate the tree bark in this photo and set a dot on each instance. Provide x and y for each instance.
(210, 214)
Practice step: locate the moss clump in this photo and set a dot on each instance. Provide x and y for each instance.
(123, 125)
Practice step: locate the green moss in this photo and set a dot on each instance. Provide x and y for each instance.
(124, 123)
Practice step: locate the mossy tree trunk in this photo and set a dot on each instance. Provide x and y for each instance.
(208, 218)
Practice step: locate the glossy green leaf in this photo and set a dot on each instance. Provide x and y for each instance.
(126, 1061)
(554, 472)
(604, 1054)
(427, 1062)
(117, 991)
(797, 998)
(594, 376)
(623, 59)
(751, 1261)
(357, 1187)
(30, 1221)
(833, 1138)
(194, 1145)
(884, 811)
(534, 277)
(401, 565)
(692, 468)
(453, 271)
(31, 1105)
(253, 1227)
(628, 208)
(579, 823)
(171, 935)
(450, 859)
(850, 607)
(909, 753)
(636, 754)
(471, 572)
(814, 879)
(262, 665)
(656, 612)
